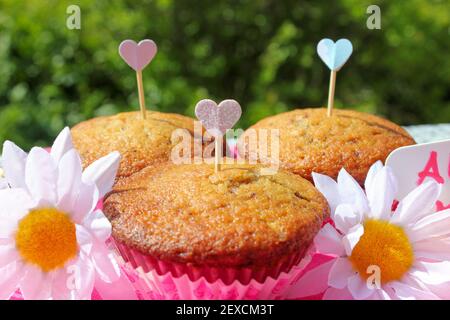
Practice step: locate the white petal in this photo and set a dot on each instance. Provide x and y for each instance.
(352, 238)
(313, 282)
(69, 179)
(346, 218)
(329, 241)
(3, 183)
(382, 193)
(84, 239)
(86, 202)
(381, 294)
(62, 144)
(358, 288)
(40, 176)
(337, 294)
(105, 264)
(433, 248)
(10, 277)
(433, 225)
(13, 163)
(434, 273)
(329, 188)
(14, 205)
(75, 281)
(340, 273)
(377, 166)
(418, 203)
(407, 292)
(8, 254)
(36, 284)
(103, 172)
(98, 225)
(350, 192)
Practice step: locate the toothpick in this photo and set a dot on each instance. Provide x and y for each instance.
(218, 153)
(141, 93)
(331, 93)
(138, 56)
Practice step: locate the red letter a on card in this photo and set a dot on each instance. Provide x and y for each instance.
(431, 170)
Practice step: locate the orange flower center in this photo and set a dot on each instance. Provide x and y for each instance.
(46, 237)
(386, 246)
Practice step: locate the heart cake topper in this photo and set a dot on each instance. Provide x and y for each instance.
(138, 55)
(217, 119)
(334, 54)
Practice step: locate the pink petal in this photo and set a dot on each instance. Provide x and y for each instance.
(382, 193)
(61, 145)
(84, 239)
(103, 172)
(329, 241)
(105, 264)
(345, 218)
(417, 204)
(98, 225)
(352, 238)
(407, 292)
(350, 192)
(433, 225)
(36, 284)
(434, 273)
(8, 254)
(340, 273)
(13, 163)
(433, 248)
(75, 281)
(69, 179)
(10, 277)
(337, 294)
(358, 288)
(329, 188)
(40, 176)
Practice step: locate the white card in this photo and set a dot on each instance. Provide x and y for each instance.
(415, 164)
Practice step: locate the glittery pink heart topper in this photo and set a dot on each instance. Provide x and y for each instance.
(217, 119)
(138, 55)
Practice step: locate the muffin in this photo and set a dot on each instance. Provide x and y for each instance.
(140, 142)
(236, 226)
(310, 141)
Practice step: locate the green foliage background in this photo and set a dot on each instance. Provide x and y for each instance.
(260, 52)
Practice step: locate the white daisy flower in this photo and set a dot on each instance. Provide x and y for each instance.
(380, 254)
(52, 239)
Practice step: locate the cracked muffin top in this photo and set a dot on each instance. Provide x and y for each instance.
(310, 141)
(233, 218)
(140, 142)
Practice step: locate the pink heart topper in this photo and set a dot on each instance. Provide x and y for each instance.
(217, 119)
(138, 55)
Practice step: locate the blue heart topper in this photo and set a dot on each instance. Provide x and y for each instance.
(334, 54)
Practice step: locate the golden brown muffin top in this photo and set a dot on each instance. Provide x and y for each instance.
(140, 142)
(234, 218)
(310, 141)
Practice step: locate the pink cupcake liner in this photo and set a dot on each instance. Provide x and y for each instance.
(155, 279)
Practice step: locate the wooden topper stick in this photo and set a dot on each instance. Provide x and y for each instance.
(331, 93)
(141, 93)
(138, 56)
(218, 153)
(334, 55)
